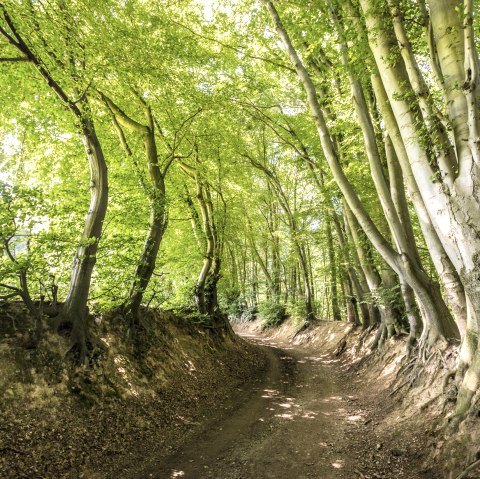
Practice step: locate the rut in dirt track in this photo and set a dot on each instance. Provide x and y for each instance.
(297, 421)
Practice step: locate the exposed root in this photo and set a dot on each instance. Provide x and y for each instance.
(410, 382)
(424, 406)
(78, 349)
(451, 373)
(413, 368)
(470, 468)
(341, 346)
(302, 328)
(406, 367)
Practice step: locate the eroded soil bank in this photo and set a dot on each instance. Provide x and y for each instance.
(140, 397)
(187, 400)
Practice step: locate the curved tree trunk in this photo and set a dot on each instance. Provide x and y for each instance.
(75, 306)
(452, 202)
(439, 317)
(158, 207)
(392, 197)
(454, 292)
(209, 251)
(374, 280)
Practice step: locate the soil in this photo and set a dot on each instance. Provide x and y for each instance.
(200, 404)
(306, 417)
(131, 403)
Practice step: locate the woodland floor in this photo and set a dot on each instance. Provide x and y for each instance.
(307, 416)
(197, 404)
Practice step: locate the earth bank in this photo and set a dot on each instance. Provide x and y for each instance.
(140, 397)
(153, 394)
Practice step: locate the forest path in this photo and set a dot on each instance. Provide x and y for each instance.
(299, 420)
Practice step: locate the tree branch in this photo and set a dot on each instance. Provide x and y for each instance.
(20, 44)
(14, 59)
(12, 288)
(238, 49)
(122, 117)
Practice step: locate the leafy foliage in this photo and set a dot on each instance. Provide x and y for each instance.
(271, 314)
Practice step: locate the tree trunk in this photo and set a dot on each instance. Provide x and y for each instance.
(401, 264)
(333, 270)
(454, 292)
(75, 307)
(374, 280)
(357, 275)
(158, 208)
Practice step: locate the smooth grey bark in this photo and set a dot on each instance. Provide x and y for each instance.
(74, 311)
(399, 199)
(75, 306)
(391, 193)
(400, 263)
(454, 292)
(375, 282)
(451, 205)
(448, 206)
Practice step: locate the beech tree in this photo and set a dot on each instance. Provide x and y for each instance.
(74, 310)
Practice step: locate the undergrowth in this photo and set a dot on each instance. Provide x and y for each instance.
(271, 314)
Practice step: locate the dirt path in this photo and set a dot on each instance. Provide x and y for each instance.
(299, 421)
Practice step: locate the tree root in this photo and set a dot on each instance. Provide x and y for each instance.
(341, 346)
(409, 381)
(470, 468)
(414, 367)
(302, 328)
(451, 373)
(424, 406)
(79, 350)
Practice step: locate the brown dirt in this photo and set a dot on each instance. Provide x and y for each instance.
(101, 422)
(197, 404)
(307, 417)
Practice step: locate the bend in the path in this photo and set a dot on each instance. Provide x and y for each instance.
(297, 421)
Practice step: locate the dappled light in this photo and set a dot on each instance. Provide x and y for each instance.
(355, 418)
(190, 366)
(339, 464)
(122, 368)
(176, 474)
(239, 239)
(270, 393)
